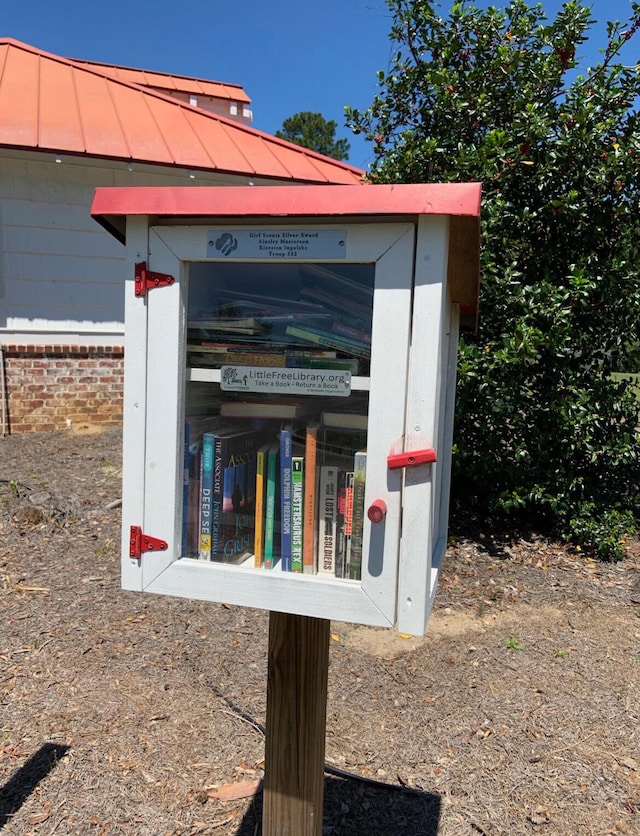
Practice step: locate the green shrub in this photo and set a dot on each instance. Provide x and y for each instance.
(544, 433)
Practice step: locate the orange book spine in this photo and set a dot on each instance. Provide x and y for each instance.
(309, 530)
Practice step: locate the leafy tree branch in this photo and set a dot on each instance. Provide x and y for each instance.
(546, 423)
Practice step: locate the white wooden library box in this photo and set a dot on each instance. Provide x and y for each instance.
(290, 357)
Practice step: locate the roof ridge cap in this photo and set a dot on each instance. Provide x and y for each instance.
(156, 72)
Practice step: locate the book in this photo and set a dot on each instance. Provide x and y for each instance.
(341, 305)
(271, 543)
(261, 475)
(339, 285)
(341, 522)
(349, 364)
(193, 522)
(191, 463)
(345, 420)
(340, 446)
(354, 566)
(348, 525)
(264, 302)
(243, 347)
(186, 465)
(264, 409)
(351, 333)
(237, 518)
(249, 325)
(206, 495)
(195, 426)
(327, 519)
(313, 335)
(286, 442)
(270, 319)
(205, 355)
(297, 512)
(309, 525)
(232, 501)
(212, 355)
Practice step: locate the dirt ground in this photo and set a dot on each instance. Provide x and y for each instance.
(133, 714)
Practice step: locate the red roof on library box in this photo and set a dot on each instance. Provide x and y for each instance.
(458, 201)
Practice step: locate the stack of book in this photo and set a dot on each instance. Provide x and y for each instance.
(325, 323)
(268, 498)
(281, 486)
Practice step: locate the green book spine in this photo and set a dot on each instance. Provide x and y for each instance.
(270, 539)
(354, 568)
(206, 496)
(297, 512)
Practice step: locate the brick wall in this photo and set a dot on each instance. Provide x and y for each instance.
(51, 387)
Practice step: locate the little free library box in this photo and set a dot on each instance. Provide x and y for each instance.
(290, 357)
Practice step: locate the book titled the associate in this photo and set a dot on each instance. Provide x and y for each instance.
(286, 381)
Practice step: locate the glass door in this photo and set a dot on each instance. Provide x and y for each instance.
(276, 415)
(276, 388)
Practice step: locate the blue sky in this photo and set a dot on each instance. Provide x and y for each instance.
(288, 55)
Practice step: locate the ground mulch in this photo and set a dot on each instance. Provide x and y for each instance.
(124, 713)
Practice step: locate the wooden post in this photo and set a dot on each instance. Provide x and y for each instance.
(296, 725)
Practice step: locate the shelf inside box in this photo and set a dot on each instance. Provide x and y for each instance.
(274, 494)
(277, 571)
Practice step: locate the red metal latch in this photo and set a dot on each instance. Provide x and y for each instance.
(139, 542)
(147, 279)
(412, 458)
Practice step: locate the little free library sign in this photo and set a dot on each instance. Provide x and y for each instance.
(285, 381)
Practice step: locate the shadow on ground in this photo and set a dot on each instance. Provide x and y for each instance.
(23, 782)
(352, 808)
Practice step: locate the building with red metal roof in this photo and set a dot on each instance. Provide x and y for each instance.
(54, 104)
(68, 126)
(215, 96)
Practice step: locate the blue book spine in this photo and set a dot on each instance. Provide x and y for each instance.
(285, 498)
(206, 496)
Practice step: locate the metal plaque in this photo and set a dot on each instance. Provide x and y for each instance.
(264, 244)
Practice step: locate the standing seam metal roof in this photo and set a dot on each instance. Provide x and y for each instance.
(49, 103)
(169, 81)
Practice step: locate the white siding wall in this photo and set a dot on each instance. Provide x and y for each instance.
(61, 274)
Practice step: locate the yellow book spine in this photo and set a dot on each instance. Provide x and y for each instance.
(258, 548)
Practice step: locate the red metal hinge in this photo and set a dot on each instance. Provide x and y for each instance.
(139, 542)
(411, 458)
(146, 279)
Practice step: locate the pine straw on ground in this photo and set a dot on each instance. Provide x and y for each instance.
(133, 714)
